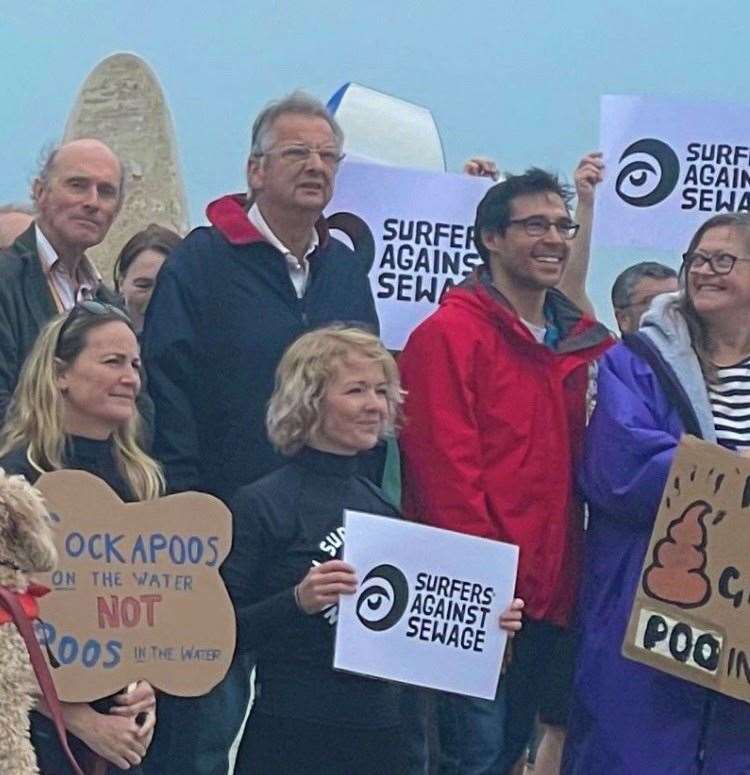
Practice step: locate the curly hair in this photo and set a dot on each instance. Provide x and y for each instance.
(294, 413)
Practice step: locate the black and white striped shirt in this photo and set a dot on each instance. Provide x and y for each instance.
(730, 403)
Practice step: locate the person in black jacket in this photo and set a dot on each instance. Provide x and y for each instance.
(337, 393)
(74, 407)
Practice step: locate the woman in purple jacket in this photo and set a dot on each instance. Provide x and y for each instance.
(684, 371)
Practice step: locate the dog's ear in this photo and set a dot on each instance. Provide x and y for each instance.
(25, 533)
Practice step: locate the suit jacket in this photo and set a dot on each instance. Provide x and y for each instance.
(26, 304)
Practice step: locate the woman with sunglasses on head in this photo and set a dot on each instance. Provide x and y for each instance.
(687, 370)
(74, 407)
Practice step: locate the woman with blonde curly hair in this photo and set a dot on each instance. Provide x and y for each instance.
(74, 407)
(337, 393)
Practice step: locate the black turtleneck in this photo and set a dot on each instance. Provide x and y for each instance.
(81, 454)
(283, 524)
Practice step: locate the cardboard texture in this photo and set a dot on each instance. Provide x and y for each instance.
(690, 614)
(137, 592)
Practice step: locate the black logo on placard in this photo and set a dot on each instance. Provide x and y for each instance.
(359, 233)
(383, 597)
(645, 182)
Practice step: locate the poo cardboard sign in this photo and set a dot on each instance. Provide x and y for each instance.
(137, 592)
(691, 615)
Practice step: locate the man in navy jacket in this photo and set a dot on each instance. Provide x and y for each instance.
(229, 300)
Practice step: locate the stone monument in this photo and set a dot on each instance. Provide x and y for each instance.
(122, 104)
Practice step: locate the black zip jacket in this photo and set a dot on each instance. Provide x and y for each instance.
(282, 525)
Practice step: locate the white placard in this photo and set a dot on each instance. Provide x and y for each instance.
(670, 166)
(427, 608)
(422, 226)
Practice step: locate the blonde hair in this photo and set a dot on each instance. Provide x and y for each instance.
(294, 413)
(35, 415)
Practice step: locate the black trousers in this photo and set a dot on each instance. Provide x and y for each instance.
(283, 746)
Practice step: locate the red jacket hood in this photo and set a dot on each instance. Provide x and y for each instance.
(578, 331)
(229, 215)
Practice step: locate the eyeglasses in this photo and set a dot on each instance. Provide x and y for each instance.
(720, 263)
(538, 226)
(300, 154)
(89, 307)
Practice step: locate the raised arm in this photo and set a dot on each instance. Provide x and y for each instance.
(588, 175)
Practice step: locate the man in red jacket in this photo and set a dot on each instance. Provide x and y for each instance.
(495, 414)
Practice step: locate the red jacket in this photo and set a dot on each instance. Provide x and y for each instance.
(494, 426)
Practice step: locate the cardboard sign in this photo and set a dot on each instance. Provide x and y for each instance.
(670, 166)
(137, 592)
(427, 608)
(422, 227)
(690, 615)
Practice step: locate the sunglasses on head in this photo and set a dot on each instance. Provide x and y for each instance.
(89, 307)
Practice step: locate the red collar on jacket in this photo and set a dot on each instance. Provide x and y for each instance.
(28, 602)
(229, 215)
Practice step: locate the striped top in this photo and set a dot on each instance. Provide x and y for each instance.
(730, 403)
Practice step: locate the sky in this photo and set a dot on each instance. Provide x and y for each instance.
(517, 81)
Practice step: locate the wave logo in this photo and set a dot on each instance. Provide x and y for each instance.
(650, 174)
(383, 596)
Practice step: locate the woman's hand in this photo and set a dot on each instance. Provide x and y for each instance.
(138, 701)
(323, 584)
(117, 739)
(510, 618)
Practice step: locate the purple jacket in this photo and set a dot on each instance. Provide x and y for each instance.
(626, 718)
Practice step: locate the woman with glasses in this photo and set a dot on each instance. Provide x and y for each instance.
(686, 371)
(74, 407)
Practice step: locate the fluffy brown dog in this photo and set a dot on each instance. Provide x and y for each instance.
(26, 547)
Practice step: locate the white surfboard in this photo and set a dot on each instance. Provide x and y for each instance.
(384, 129)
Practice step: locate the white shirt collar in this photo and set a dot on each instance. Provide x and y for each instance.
(255, 217)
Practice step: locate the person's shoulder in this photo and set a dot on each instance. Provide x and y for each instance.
(17, 462)
(269, 489)
(12, 263)
(197, 250)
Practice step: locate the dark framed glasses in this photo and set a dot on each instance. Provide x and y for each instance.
(720, 263)
(538, 226)
(90, 307)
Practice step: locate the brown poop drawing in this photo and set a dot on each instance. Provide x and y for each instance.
(676, 574)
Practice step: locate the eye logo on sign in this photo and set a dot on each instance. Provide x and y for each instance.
(383, 597)
(651, 177)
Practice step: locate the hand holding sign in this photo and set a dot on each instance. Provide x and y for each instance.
(137, 593)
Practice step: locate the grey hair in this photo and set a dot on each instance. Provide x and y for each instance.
(298, 102)
(47, 163)
(624, 285)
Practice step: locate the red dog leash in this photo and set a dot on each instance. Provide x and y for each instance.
(21, 608)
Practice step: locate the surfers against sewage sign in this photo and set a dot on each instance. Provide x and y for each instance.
(416, 234)
(670, 166)
(427, 607)
(137, 592)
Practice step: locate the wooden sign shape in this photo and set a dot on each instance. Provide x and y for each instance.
(137, 592)
(690, 614)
